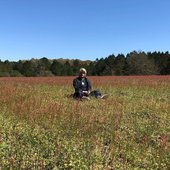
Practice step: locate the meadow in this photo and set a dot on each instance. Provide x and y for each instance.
(42, 128)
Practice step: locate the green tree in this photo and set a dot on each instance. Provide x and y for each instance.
(120, 64)
(56, 68)
(76, 66)
(161, 60)
(110, 65)
(67, 69)
(18, 66)
(28, 69)
(43, 67)
(140, 64)
(100, 67)
(91, 69)
(6, 68)
(166, 69)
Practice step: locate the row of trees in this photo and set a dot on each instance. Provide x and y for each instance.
(134, 63)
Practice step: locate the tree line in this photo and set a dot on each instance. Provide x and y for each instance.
(134, 63)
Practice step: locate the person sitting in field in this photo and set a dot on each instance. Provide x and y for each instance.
(83, 87)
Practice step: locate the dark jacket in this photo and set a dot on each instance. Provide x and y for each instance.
(80, 85)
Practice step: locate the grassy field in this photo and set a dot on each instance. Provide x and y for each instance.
(42, 128)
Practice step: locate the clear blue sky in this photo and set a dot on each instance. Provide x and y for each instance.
(82, 29)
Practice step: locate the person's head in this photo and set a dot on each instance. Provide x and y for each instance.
(82, 72)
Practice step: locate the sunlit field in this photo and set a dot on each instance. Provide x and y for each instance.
(41, 127)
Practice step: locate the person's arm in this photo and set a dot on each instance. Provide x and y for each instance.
(89, 85)
(76, 86)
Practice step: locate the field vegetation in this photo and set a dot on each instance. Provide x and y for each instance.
(41, 127)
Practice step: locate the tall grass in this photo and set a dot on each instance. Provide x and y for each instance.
(42, 128)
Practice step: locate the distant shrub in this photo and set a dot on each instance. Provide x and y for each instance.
(4, 74)
(15, 73)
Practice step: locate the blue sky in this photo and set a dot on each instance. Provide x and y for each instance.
(82, 29)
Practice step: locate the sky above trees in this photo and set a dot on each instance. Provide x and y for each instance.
(82, 29)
